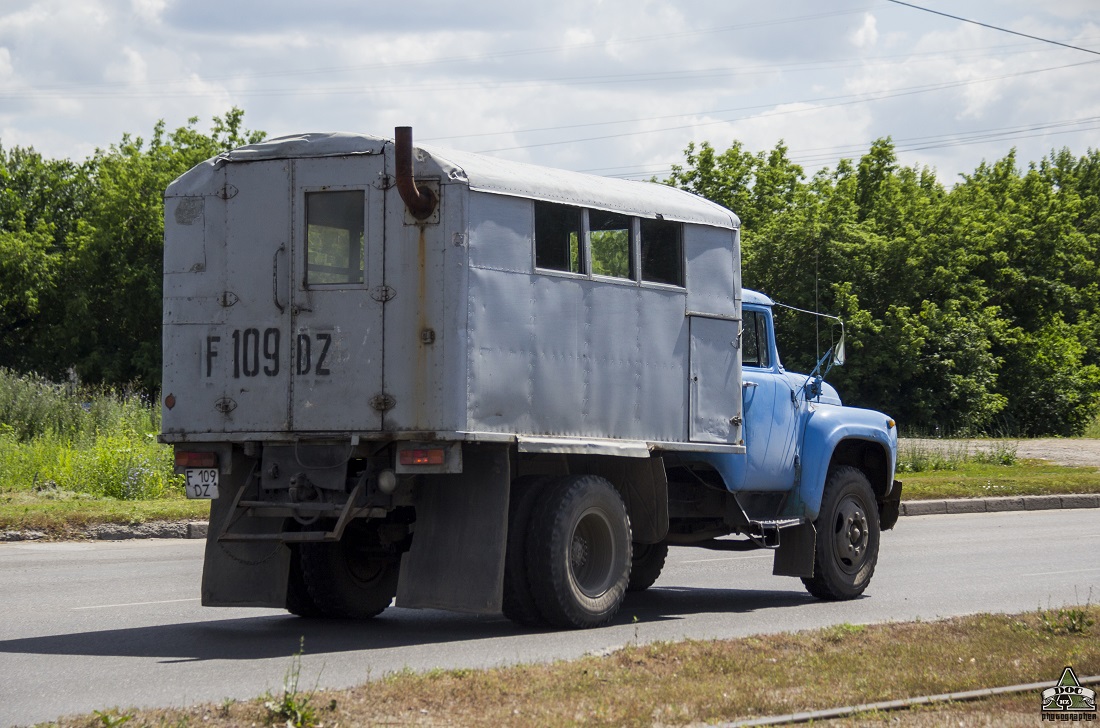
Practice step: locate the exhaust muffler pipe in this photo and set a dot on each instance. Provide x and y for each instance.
(421, 202)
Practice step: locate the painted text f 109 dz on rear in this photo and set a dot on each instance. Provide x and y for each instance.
(485, 386)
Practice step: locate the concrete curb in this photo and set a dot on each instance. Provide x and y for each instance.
(198, 529)
(999, 505)
(117, 532)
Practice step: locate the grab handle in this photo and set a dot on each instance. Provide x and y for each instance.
(275, 278)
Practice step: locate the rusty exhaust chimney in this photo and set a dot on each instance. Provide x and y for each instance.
(421, 202)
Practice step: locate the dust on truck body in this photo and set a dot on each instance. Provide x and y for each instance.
(485, 386)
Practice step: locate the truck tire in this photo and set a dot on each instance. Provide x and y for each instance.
(578, 552)
(519, 602)
(349, 579)
(847, 537)
(646, 564)
(298, 601)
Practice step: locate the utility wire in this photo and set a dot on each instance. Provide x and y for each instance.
(847, 100)
(994, 27)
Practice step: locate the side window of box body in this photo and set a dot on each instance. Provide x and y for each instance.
(609, 244)
(558, 235)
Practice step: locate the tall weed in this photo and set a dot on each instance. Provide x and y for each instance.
(924, 456)
(64, 439)
(31, 406)
(1093, 430)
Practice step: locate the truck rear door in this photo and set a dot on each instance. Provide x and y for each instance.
(336, 293)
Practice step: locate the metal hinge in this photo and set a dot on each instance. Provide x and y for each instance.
(225, 405)
(228, 298)
(382, 293)
(228, 192)
(384, 182)
(382, 402)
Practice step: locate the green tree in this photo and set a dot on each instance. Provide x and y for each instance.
(113, 266)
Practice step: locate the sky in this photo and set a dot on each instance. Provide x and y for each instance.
(612, 87)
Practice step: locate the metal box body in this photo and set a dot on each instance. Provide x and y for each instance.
(446, 330)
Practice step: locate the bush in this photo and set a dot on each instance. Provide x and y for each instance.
(58, 439)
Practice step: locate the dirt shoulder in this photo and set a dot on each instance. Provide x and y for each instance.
(1074, 453)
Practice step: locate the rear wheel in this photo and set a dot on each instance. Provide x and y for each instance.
(298, 601)
(579, 551)
(519, 602)
(847, 537)
(646, 564)
(351, 578)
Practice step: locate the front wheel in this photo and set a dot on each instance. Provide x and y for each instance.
(847, 537)
(578, 552)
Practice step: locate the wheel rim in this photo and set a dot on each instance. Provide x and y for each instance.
(364, 566)
(592, 553)
(851, 535)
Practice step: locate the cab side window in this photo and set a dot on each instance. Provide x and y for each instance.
(754, 340)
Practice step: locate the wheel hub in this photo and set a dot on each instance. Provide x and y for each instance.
(852, 535)
(592, 553)
(578, 553)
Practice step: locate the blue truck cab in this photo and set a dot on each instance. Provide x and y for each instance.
(813, 471)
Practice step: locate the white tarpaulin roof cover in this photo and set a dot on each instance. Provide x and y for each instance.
(499, 176)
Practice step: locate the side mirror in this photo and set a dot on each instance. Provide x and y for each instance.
(838, 352)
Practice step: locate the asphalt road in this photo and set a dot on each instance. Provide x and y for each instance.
(87, 626)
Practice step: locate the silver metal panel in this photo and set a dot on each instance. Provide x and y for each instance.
(227, 359)
(416, 337)
(559, 357)
(185, 234)
(501, 233)
(336, 330)
(589, 446)
(713, 270)
(715, 381)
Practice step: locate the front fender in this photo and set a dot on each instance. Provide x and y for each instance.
(827, 428)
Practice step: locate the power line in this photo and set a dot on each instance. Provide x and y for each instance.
(848, 101)
(470, 59)
(909, 144)
(994, 27)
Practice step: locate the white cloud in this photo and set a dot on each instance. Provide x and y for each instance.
(150, 10)
(866, 35)
(619, 84)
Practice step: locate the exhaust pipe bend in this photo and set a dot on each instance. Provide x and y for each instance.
(421, 202)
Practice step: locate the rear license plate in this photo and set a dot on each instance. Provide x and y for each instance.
(202, 482)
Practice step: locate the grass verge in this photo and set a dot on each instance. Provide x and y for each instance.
(60, 514)
(695, 681)
(984, 480)
(74, 456)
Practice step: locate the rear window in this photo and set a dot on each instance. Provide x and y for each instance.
(334, 232)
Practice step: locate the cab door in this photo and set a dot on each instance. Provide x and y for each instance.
(772, 412)
(336, 293)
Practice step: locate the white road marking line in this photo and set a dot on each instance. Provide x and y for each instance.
(135, 604)
(729, 558)
(1055, 573)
